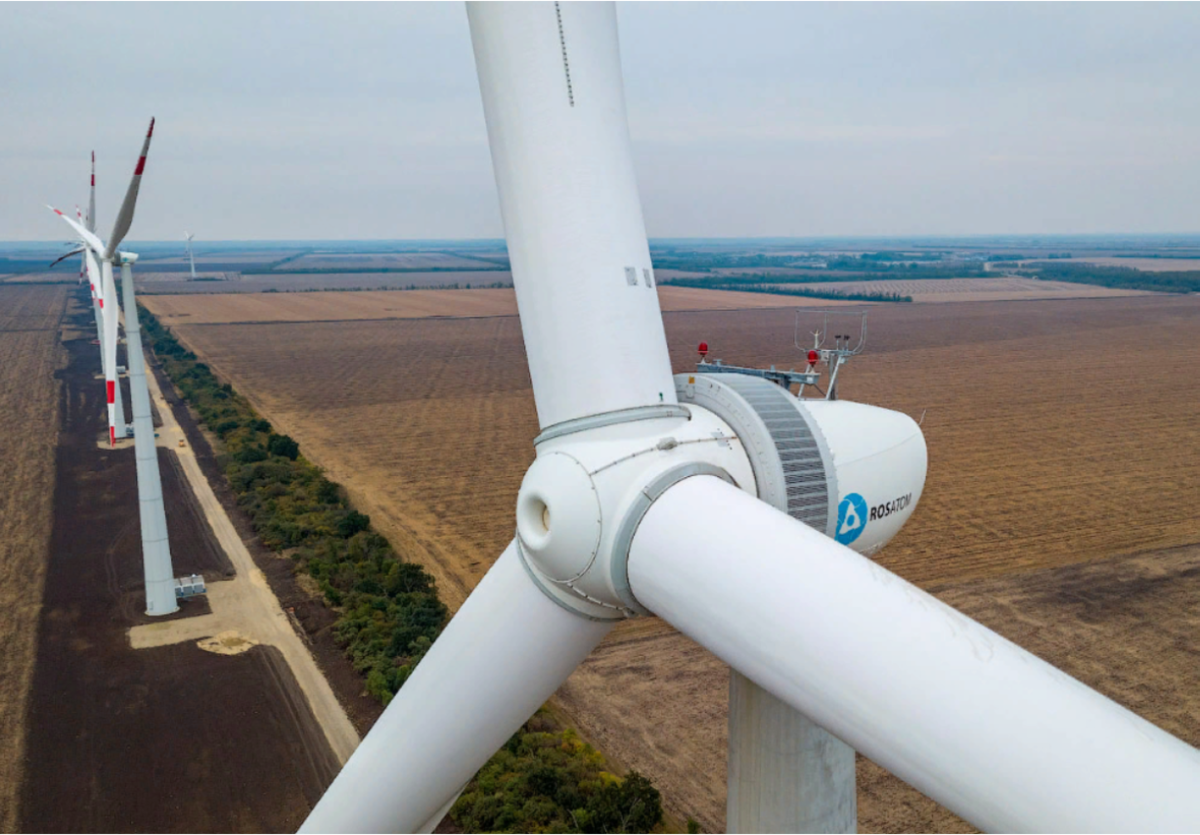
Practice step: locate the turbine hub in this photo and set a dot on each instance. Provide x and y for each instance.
(559, 517)
(594, 478)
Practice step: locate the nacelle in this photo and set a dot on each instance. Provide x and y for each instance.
(852, 471)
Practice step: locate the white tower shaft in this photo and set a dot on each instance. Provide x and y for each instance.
(550, 75)
(785, 772)
(156, 549)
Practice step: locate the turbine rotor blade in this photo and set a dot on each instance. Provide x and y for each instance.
(992, 732)
(65, 257)
(87, 237)
(505, 652)
(550, 76)
(91, 215)
(125, 215)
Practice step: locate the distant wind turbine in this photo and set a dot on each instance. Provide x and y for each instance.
(187, 236)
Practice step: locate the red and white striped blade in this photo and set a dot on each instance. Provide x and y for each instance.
(68, 255)
(125, 216)
(87, 237)
(91, 215)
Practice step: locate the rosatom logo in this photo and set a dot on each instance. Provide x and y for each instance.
(852, 518)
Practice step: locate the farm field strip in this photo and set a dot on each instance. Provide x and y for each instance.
(1053, 440)
(1150, 265)
(1008, 288)
(396, 260)
(29, 404)
(281, 281)
(226, 308)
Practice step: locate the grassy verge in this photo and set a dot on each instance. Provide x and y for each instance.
(544, 779)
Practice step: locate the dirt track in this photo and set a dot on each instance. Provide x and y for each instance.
(166, 739)
(1054, 441)
(247, 603)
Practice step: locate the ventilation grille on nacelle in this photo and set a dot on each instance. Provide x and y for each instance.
(803, 470)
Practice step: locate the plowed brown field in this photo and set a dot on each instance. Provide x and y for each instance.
(29, 355)
(1062, 437)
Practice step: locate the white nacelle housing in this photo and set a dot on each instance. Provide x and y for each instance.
(852, 471)
(879, 463)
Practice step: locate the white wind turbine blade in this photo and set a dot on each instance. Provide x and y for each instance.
(86, 236)
(990, 731)
(93, 273)
(93, 277)
(505, 652)
(550, 76)
(125, 215)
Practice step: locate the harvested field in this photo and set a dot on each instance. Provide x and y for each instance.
(317, 307)
(40, 277)
(151, 283)
(388, 260)
(675, 299)
(218, 258)
(1056, 444)
(172, 738)
(30, 355)
(976, 289)
(415, 304)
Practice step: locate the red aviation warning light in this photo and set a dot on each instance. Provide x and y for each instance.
(813, 356)
(703, 349)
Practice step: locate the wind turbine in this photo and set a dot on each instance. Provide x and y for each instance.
(156, 553)
(648, 497)
(89, 267)
(187, 236)
(111, 309)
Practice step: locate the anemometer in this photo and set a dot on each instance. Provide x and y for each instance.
(846, 344)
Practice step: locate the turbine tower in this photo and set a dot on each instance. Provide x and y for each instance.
(187, 237)
(156, 547)
(666, 495)
(156, 554)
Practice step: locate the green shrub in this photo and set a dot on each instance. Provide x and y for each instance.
(352, 523)
(250, 454)
(283, 446)
(552, 782)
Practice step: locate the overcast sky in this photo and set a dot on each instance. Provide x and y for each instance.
(350, 121)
